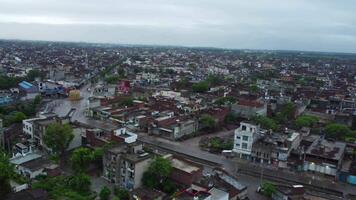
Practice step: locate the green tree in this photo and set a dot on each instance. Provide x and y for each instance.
(113, 79)
(268, 189)
(33, 74)
(288, 110)
(15, 117)
(169, 187)
(337, 131)
(7, 82)
(104, 193)
(201, 87)
(80, 183)
(58, 137)
(306, 121)
(266, 122)
(122, 194)
(80, 159)
(160, 167)
(126, 101)
(213, 79)
(208, 121)
(149, 180)
(225, 100)
(158, 171)
(254, 88)
(230, 118)
(6, 172)
(37, 100)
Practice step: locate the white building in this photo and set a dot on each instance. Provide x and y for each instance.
(245, 136)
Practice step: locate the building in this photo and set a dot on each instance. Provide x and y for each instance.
(248, 109)
(184, 172)
(125, 163)
(244, 137)
(174, 128)
(285, 192)
(324, 156)
(28, 90)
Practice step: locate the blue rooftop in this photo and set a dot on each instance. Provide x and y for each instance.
(25, 85)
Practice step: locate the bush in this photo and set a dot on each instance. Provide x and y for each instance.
(104, 193)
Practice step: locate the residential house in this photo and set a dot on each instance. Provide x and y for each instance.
(248, 109)
(125, 163)
(324, 156)
(244, 137)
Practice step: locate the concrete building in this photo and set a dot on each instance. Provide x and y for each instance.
(124, 164)
(248, 109)
(324, 156)
(244, 137)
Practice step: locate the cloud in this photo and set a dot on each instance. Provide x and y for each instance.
(324, 25)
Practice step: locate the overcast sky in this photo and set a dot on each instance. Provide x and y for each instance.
(316, 25)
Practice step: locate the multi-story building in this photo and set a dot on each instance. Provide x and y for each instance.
(245, 136)
(125, 163)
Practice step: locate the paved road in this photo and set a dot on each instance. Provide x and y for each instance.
(62, 106)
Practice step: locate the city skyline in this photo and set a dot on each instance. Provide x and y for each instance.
(294, 25)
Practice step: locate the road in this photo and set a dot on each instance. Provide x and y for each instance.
(62, 106)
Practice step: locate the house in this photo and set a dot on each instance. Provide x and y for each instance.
(125, 163)
(248, 109)
(144, 193)
(221, 186)
(174, 127)
(324, 156)
(192, 194)
(285, 192)
(28, 90)
(244, 137)
(184, 172)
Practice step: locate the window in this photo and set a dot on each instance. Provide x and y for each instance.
(238, 137)
(244, 145)
(243, 128)
(237, 144)
(245, 138)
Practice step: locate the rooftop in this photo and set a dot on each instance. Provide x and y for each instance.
(327, 149)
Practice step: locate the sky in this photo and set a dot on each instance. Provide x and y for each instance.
(312, 25)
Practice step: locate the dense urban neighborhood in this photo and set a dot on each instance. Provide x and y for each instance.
(82, 121)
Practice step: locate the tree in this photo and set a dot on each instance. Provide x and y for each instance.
(126, 101)
(208, 121)
(306, 121)
(80, 183)
(230, 118)
(122, 194)
(160, 167)
(213, 79)
(58, 137)
(268, 189)
(287, 113)
(80, 159)
(288, 110)
(337, 131)
(15, 117)
(225, 100)
(6, 172)
(104, 193)
(33, 74)
(266, 122)
(37, 100)
(201, 87)
(158, 171)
